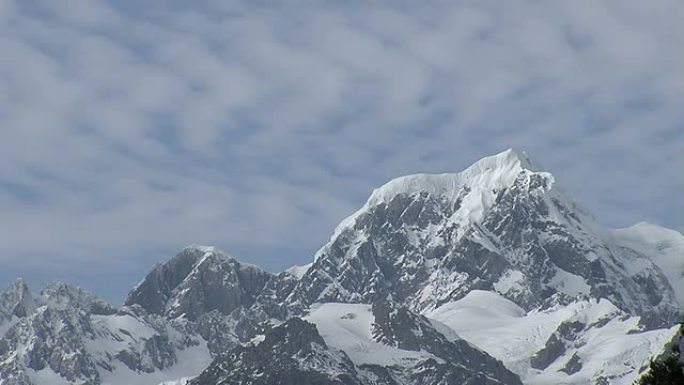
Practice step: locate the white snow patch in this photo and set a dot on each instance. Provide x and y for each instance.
(259, 338)
(505, 331)
(191, 362)
(348, 327)
(569, 283)
(664, 246)
(510, 281)
(298, 271)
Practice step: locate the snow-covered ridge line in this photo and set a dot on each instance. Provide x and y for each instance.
(665, 246)
(491, 172)
(215, 251)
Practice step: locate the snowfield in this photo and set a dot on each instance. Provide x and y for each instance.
(348, 327)
(665, 246)
(498, 326)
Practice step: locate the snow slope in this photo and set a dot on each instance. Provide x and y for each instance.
(348, 327)
(664, 246)
(191, 362)
(609, 346)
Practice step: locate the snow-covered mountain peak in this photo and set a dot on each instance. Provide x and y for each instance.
(508, 159)
(212, 254)
(205, 252)
(470, 192)
(664, 246)
(496, 171)
(431, 273)
(500, 225)
(651, 230)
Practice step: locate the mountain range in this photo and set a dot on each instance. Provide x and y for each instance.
(488, 276)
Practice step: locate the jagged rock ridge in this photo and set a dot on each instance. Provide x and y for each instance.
(500, 225)
(429, 242)
(196, 281)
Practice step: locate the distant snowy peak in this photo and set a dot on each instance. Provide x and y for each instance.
(497, 256)
(64, 295)
(664, 246)
(198, 280)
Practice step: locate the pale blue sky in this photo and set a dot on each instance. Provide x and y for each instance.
(129, 129)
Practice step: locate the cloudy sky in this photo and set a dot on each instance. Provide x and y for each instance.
(129, 129)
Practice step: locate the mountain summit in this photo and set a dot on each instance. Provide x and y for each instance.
(492, 275)
(496, 171)
(198, 280)
(501, 225)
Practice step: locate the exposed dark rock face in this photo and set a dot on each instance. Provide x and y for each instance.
(16, 301)
(64, 332)
(397, 326)
(273, 298)
(573, 365)
(224, 332)
(291, 354)
(553, 349)
(564, 336)
(49, 338)
(197, 281)
(64, 295)
(501, 225)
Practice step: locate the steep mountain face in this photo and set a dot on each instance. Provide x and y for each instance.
(46, 331)
(398, 327)
(484, 277)
(196, 281)
(71, 336)
(185, 312)
(17, 301)
(501, 225)
(291, 354)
